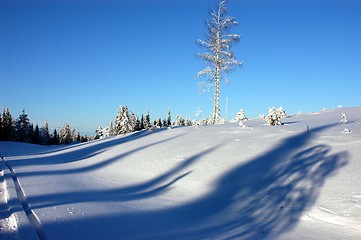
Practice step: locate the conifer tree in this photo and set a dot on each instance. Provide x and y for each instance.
(111, 128)
(23, 128)
(219, 58)
(44, 134)
(7, 125)
(54, 138)
(125, 121)
(78, 137)
(188, 122)
(36, 135)
(146, 122)
(282, 112)
(273, 117)
(169, 119)
(137, 124)
(65, 134)
(142, 122)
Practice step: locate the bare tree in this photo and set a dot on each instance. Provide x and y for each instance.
(219, 58)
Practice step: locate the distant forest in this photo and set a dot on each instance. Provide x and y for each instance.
(22, 129)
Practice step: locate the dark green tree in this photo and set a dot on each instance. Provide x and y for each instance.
(36, 138)
(23, 128)
(7, 126)
(169, 119)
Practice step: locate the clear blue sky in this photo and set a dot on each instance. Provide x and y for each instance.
(76, 61)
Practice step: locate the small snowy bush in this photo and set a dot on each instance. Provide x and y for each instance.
(273, 117)
(241, 116)
(282, 113)
(343, 118)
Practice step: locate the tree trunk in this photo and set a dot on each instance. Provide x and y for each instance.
(216, 113)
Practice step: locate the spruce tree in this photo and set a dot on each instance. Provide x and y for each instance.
(147, 124)
(7, 125)
(142, 123)
(44, 134)
(282, 112)
(219, 58)
(169, 119)
(54, 138)
(111, 128)
(78, 137)
(65, 134)
(23, 128)
(273, 117)
(36, 135)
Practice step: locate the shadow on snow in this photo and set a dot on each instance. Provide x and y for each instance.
(261, 198)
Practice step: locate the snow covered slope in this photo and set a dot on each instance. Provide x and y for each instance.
(208, 182)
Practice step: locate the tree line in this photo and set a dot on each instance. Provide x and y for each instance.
(22, 129)
(126, 122)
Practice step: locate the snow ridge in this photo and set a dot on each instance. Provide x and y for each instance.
(33, 219)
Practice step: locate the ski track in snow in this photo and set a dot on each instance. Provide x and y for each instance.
(33, 219)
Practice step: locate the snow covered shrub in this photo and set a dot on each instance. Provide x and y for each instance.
(262, 117)
(241, 116)
(101, 132)
(282, 113)
(223, 121)
(346, 130)
(241, 124)
(179, 121)
(273, 117)
(343, 118)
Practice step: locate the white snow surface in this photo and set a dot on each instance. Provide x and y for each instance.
(206, 182)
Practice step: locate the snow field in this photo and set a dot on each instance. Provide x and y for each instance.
(207, 182)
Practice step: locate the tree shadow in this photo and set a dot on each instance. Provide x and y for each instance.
(147, 189)
(262, 198)
(90, 167)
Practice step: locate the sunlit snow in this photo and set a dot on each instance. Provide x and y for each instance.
(299, 180)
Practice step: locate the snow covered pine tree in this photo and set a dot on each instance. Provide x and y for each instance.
(219, 58)
(273, 117)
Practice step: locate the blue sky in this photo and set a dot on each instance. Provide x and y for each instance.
(78, 61)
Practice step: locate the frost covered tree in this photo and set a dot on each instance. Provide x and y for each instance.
(241, 116)
(125, 121)
(188, 122)
(146, 121)
(44, 134)
(99, 133)
(7, 125)
(169, 119)
(282, 112)
(111, 128)
(180, 121)
(65, 134)
(273, 118)
(218, 58)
